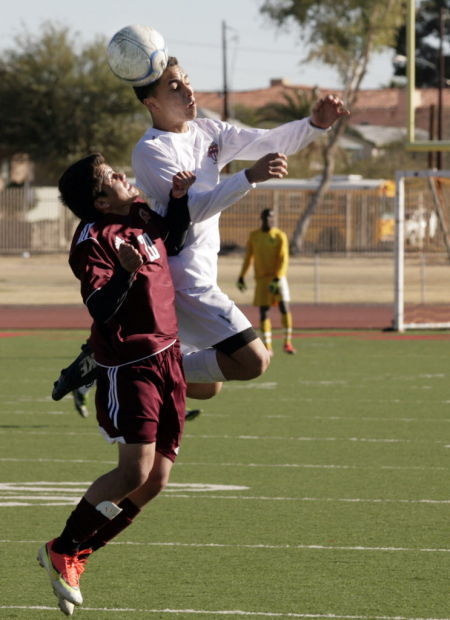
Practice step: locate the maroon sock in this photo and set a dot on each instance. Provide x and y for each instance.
(83, 522)
(113, 527)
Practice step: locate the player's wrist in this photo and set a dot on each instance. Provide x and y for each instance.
(316, 125)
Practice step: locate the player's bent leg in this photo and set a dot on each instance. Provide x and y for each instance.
(203, 391)
(155, 483)
(248, 362)
(135, 465)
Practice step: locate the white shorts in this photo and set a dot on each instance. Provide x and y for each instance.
(206, 316)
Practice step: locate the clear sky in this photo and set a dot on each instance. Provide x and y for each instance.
(257, 52)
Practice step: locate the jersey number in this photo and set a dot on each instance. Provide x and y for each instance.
(149, 247)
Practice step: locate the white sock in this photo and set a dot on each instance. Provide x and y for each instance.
(202, 367)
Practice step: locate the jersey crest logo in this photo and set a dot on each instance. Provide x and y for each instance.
(144, 215)
(213, 151)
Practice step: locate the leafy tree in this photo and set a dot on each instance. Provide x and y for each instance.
(58, 104)
(344, 35)
(427, 44)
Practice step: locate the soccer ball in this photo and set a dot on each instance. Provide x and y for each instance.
(137, 54)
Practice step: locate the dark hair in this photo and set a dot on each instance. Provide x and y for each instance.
(142, 92)
(266, 213)
(80, 185)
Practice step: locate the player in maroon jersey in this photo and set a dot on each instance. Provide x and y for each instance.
(119, 255)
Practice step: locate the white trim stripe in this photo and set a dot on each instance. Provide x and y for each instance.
(113, 401)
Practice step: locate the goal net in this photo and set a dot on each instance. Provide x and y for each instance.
(422, 250)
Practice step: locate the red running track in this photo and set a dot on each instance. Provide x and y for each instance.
(305, 316)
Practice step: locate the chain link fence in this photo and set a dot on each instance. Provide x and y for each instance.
(353, 218)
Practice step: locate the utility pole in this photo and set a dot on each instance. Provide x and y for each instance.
(225, 110)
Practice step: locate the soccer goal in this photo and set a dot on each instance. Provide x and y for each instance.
(422, 250)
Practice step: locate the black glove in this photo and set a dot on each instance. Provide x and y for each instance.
(241, 284)
(274, 286)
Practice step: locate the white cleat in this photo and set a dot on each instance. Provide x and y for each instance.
(65, 606)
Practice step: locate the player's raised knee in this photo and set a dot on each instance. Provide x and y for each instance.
(203, 391)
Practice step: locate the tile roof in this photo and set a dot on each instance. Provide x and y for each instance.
(375, 106)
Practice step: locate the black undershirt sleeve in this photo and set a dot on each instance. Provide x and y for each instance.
(105, 301)
(177, 221)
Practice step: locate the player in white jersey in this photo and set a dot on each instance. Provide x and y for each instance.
(208, 320)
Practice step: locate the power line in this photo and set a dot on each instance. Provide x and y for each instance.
(216, 46)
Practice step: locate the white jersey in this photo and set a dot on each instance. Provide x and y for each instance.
(205, 149)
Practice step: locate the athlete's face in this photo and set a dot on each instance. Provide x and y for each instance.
(268, 220)
(117, 193)
(173, 103)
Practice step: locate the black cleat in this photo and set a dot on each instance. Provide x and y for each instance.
(82, 371)
(191, 414)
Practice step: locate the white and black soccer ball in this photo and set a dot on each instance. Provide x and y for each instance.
(137, 54)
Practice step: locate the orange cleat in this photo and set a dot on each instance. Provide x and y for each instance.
(288, 348)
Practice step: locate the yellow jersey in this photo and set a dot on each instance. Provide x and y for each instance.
(269, 252)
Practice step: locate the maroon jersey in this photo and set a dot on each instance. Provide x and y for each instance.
(145, 322)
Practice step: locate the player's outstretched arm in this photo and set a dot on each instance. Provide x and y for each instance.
(271, 166)
(327, 111)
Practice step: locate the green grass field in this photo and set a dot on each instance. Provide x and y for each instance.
(320, 490)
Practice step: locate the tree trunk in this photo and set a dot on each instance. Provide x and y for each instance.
(303, 222)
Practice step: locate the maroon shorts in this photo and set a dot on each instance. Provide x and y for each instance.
(144, 402)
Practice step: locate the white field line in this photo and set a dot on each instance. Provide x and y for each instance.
(50, 490)
(223, 612)
(13, 501)
(280, 438)
(46, 493)
(377, 419)
(287, 416)
(255, 465)
(318, 499)
(392, 440)
(259, 546)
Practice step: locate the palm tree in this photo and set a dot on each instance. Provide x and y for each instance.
(297, 104)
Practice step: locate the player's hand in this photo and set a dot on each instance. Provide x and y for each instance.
(327, 111)
(129, 257)
(271, 166)
(241, 285)
(181, 182)
(274, 286)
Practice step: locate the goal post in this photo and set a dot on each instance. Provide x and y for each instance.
(422, 250)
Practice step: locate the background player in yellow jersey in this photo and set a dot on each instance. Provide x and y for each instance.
(268, 249)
